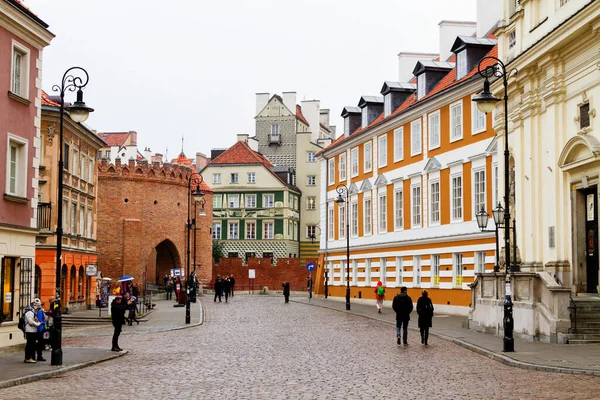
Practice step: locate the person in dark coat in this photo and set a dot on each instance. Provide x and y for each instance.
(231, 283)
(403, 306)
(218, 288)
(226, 287)
(286, 291)
(425, 311)
(117, 312)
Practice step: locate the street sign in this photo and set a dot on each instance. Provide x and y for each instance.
(91, 270)
(310, 266)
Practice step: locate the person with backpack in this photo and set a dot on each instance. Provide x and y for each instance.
(403, 306)
(425, 311)
(29, 324)
(379, 296)
(40, 345)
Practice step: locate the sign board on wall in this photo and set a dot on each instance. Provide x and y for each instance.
(91, 270)
(251, 273)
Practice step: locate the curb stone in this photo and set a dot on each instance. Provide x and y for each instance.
(506, 360)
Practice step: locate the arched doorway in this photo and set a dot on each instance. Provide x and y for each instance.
(167, 258)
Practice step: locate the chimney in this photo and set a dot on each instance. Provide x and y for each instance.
(242, 137)
(147, 153)
(407, 62)
(488, 15)
(201, 161)
(253, 143)
(311, 111)
(132, 138)
(289, 100)
(449, 30)
(261, 101)
(325, 117)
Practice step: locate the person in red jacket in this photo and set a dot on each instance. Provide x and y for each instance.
(379, 295)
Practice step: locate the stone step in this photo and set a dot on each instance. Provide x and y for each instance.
(582, 341)
(588, 324)
(590, 331)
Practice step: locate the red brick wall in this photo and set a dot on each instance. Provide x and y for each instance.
(141, 206)
(266, 274)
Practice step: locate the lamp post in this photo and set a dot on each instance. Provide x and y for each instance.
(312, 239)
(202, 214)
(482, 220)
(197, 195)
(486, 102)
(78, 112)
(341, 188)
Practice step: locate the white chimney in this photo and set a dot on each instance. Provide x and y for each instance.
(253, 143)
(242, 137)
(489, 12)
(289, 100)
(449, 30)
(312, 114)
(407, 62)
(325, 116)
(261, 101)
(147, 153)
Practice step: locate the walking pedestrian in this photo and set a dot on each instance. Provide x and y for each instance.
(31, 325)
(286, 291)
(132, 305)
(309, 286)
(218, 288)
(231, 283)
(425, 311)
(117, 311)
(169, 287)
(165, 280)
(403, 306)
(226, 288)
(41, 318)
(379, 296)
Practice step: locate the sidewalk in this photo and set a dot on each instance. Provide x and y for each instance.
(565, 358)
(164, 317)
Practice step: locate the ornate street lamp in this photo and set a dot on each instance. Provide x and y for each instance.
(312, 239)
(341, 188)
(486, 102)
(482, 220)
(78, 112)
(202, 201)
(197, 196)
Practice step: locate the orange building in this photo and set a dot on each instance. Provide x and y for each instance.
(417, 164)
(79, 202)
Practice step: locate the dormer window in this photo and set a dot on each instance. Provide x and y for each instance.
(461, 64)
(347, 126)
(387, 104)
(421, 87)
(365, 118)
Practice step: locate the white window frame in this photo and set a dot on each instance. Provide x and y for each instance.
(456, 121)
(250, 233)
(435, 267)
(23, 85)
(270, 203)
(217, 201)
(368, 268)
(310, 157)
(383, 270)
(89, 219)
(479, 262)
(217, 178)
(434, 130)
(330, 222)
(250, 201)
(251, 177)
(368, 216)
(354, 271)
(478, 120)
(347, 126)
(461, 64)
(91, 170)
(331, 171)
(399, 209)
(216, 230)
(364, 116)
(16, 171)
(342, 167)
(416, 144)
(387, 104)
(268, 233)
(381, 213)
(399, 271)
(368, 156)
(311, 180)
(495, 172)
(457, 269)
(421, 86)
(311, 203)
(416, 201)
(81, 230)
(311, 230)
(382, 154)
(456, 197)
(416, 271)
(342, 221)
(234, 177)
(233, 230)
(230, 197)
(73, 221)
(478, 190)
(434, 203)
(75, 161)
(354, 216)
(354, 162)
(398, 144)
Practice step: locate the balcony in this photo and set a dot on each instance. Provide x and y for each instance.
(274, 139)
(44, 216)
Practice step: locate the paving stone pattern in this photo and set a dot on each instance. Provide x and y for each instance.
(257, 347)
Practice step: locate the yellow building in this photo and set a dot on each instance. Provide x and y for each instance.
(418, 163)
(552, 46)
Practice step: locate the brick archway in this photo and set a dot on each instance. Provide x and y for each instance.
(167, 257)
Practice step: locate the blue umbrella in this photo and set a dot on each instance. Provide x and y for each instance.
(126, 278)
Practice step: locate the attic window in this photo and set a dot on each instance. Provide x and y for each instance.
(347, 126)
(387, 104)
(365, 117)
(461, 64)
(421, 86)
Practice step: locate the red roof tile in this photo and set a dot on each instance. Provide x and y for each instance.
(300, 116)
(47, 102)
(114, 138)
(240, 153)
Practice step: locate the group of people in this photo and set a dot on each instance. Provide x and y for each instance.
(37, 325)
(403, 306)
(224, 287)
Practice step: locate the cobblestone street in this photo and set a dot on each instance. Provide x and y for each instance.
(257, 347)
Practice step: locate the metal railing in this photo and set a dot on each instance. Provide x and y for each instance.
(44, 216)
(573, 314)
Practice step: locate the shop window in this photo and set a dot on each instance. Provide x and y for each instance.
(8, 288)
(80, 292)
(72, 283)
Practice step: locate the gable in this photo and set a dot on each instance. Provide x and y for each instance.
(366, 185)
(432, 165)
(275, 108)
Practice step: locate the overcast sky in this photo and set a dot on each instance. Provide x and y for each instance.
(191, 68)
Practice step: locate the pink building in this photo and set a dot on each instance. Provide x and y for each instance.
(23, 36)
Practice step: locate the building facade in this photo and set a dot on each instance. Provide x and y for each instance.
(289, 136)
(554, 142)
(417, 164)
(121, 145)
(256, 209)
(79, 203)
(23, 36)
